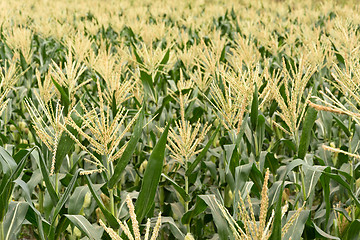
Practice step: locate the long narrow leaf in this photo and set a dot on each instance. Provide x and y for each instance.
(129, 150)
(202, 154)
(66, 195)
(306, 132)
(45, 173)
(84, 225)
(151, 177)
(180, 190)
(39, 219)
(109, 217)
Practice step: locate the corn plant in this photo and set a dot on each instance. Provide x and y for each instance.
(179, 120)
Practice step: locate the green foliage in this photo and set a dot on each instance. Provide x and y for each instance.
(182, 108)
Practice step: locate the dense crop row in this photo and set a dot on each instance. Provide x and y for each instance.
(179, 120)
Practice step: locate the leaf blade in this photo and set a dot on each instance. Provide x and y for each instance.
(151, 177)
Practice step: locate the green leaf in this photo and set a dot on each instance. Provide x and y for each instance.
(202, 154)
(66, 142)
(85, 226)
(109, 217)
(353, 232)
(222, 225)
(324, 234)
(199, 207)
(64, 146)
(76, 200)
(339, 180)
(275, 189)
(6, 182)
(242, 173)
(64, 95)
(7, 162)
(287, 142)
(343, 212)
(312, 176)
(257, 177)
(306, 132)
(254, 109)
(39, 219)
(14, 219)
(162, 64)
(66, 195)
(54, 224)
(276, 232)
(145, 78)
(45, 173)
(129, 150)
(260, 132)
(173, 227)
(342, 126)
(293, 164)
(147, 82)
(325, 183)
(151, 177)
(296, 229)
(179, 189)
(61, 226)
(271, 162)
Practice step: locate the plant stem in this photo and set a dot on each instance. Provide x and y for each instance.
(57, 183)
(110, 167)
(2, 237)
(352, 174)
(112, 205)
(353, 187)
(41, 201)
(187, 191)
(186, 202)
(161, 198)
(57, 192)
(5, 121)
(303, 183)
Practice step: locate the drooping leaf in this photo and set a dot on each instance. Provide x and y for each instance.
(324, 234)
(109, 217)
(85, 226)
(7, 162)
(42, 224)
(178, 234)
(179, 189)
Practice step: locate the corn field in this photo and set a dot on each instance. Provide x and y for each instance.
(207, 119)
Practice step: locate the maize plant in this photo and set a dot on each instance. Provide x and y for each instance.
(209, 119)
